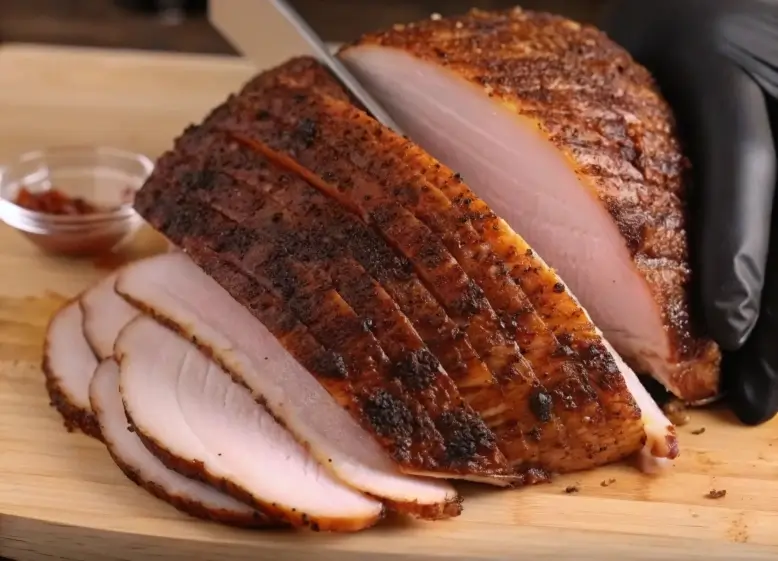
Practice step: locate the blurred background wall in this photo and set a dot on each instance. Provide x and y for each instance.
(181, 25)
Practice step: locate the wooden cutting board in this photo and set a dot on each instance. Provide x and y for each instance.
(62, 498)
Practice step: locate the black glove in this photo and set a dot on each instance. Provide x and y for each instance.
(716, 62)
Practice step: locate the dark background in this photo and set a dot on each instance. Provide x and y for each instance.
(142, 24)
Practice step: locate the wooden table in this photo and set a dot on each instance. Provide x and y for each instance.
(62, 498)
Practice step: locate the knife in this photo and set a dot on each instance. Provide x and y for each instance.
(269, 32)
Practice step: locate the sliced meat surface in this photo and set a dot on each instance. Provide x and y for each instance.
(567, 139)
(529, 409)
(68, 365)
(568, 408)
(286, 227)
(427, 431)
(199, 422)
(105, 314)
(143, 468)
(176, 292)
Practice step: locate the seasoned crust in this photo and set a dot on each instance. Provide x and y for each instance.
(294, 219)
(306, 117)
(360, 167)
(552, 70)
(283, 269)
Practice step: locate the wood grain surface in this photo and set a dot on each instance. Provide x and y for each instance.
(62, 498)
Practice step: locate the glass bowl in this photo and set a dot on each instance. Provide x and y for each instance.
(104, 176)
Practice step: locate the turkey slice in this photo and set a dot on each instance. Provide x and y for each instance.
(144, 469)
(68, 364)
(105, 313)
(202, 424)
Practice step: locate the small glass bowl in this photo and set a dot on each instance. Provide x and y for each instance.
(104, 176)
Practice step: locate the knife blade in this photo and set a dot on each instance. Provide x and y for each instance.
(269, 32)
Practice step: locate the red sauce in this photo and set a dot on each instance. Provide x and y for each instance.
(90, 240)
(54, 201)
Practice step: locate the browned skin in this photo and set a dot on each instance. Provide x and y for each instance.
(456, 227)
(345, 232)
(184, 504)
(550, 71)
(74, 417)
(379, 393)
(227, 274)
(293, 227)
(357, 161)
(578, 413)
(562, 376)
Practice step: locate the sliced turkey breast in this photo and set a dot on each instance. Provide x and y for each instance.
(295, 250)
(105, 314)
(175, 291)
(68, 364)
(144, 469)
(426, 428)
(200, 423)
(565, 408)
(567, 139)
(512, 318)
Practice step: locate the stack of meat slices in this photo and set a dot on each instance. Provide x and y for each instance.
(347, 328)
(177, 424)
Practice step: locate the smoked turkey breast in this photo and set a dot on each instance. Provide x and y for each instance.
(419, 310)
(567, 138)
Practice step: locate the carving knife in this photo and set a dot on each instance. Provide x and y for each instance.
(270, 31)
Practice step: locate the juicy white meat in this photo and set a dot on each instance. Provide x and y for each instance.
(68, 364)
(580, 159)
(105, 314)
(143, 468)
(195, 417)
(177, 291)
(524, 180)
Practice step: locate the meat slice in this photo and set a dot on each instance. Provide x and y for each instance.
(567, 139)
(68, 365)
(176, 292)
(105, 314)
(200, 423)
(144, 469)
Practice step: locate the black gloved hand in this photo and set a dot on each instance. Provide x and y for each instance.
(716, 62)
